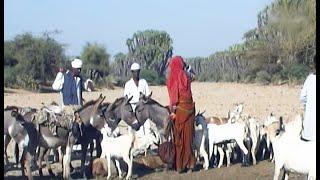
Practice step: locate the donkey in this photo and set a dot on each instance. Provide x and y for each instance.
(8, 121)
(119, 110)
(148, 108)
(91, 120)
(25, 134)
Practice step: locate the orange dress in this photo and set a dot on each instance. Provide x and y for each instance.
(179, 89)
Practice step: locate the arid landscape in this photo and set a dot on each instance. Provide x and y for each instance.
(213, 98)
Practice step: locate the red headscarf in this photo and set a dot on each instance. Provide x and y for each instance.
(177, 81)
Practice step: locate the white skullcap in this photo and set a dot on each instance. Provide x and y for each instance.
(135, 66)
(76, 63)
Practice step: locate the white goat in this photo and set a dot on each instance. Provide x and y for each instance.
(199, 143)
(142, 144)
(117, 147)
(287, 151)
(225, 132)
(293, 128)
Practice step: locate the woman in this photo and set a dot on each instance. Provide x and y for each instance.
(182, 113)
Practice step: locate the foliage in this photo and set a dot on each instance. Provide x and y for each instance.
(32, 58)
(152, 77)
(282, 45)
(95, 61)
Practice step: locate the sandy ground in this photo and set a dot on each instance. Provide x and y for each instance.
(215, 98)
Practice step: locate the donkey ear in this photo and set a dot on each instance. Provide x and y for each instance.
(14, 113)
(198, 113)
(203, 112)
(149, 95)
(141, 95)
(128, 100)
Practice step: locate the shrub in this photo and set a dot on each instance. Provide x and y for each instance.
(150, 76)
(263, 77)
(9, 77)
(295, 73)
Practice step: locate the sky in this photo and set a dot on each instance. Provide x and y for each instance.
(197, 27)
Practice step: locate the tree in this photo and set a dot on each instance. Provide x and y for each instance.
(33, 58)
(151, 49)
(95, 60)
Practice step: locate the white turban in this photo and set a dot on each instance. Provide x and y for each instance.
(135, 66)
(76, 63)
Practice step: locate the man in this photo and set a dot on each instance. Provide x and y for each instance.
(132, 88)
(308, 99)
(70, 85)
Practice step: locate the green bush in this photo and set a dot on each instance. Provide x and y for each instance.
(151, 77)
(263, 77)
(295, 73)
(9, 77)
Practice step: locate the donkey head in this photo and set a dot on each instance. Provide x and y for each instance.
(120, 109)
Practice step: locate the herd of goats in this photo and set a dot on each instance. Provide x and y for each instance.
(239, 137)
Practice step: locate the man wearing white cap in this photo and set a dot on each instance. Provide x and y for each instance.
(70, 84)
(132, 88)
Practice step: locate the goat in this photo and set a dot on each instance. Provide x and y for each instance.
(286, 149)
(141, 144)
(226, 132)
(117, 147)
(199, 143)
(293, 129)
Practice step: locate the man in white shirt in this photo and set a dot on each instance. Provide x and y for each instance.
(132, 88)
(308, 98)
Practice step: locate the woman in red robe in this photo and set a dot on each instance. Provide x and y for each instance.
(182, 112)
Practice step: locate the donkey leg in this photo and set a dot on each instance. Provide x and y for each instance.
(7, 139)
(27, 161)
(22, 161)
(46, 158)
(98, 147)
(40, 158)
(91, 149)
(84, 148)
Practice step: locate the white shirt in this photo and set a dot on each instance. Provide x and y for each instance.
(308, 98)
(131, 89)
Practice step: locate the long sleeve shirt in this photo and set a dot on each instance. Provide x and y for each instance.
(308, 99)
